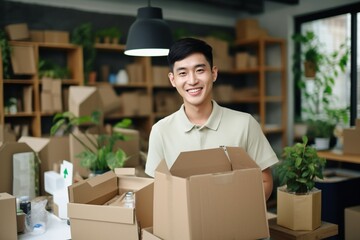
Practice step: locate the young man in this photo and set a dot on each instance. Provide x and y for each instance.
(201, 123)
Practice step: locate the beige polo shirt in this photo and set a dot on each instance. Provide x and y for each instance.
(225, 127)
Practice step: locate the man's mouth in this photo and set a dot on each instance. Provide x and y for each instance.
(194, 90)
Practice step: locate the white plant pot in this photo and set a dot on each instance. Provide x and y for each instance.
(322, 143)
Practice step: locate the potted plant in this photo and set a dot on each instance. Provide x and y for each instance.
(99, 154)
(109, 35)
(5, 53)
(318, 100)
(297, 171)
(83, 35)
(321, 130)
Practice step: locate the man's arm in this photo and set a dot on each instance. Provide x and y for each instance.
(268, 182)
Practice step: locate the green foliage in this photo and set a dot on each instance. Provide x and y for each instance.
(5, 53)
(52, 70)
(320, 128)
(97, 155)
(83, 35)
(300, 167)
(112, 32)
(319, 103)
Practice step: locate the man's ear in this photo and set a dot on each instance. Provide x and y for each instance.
(214, 73)
(171, 78)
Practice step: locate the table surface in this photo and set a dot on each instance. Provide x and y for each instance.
(281, 233)
(57, 229)
(338, 155)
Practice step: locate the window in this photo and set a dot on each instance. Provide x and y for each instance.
(334, 27)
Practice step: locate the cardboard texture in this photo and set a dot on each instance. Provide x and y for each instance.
(352, 219)
(160, 76)
(248, 29)
(6, 134)
(242, 60)
(95, 205)
(84, 100)
(352, 139)
(135, 103)
(8, 226)
(51, 97)
(207, 194)
(37, 36)
(299, 212)
(7, 150)
(147, 234)
(17, 31)
(51, 151)
(109, 99)
(23, 60)
(51, 36)
(135, 72)
(27, 99)
(131, 148)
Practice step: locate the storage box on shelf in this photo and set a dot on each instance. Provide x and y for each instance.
(26, 87)
(259, 82)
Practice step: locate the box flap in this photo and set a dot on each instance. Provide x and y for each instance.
(106, 213)
(97, 189)
(125, 171)
(200, 162)
(37, 144)
(82, 93)
(240, 159)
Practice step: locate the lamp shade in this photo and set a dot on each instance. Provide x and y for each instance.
(149, 35)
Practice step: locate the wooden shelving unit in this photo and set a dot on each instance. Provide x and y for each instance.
(34, 119)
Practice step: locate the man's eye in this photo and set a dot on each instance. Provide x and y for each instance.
(182, 73)
(200, 70)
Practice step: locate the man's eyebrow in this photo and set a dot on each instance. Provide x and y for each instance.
(196, 66)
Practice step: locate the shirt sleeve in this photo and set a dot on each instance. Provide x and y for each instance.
(155, 152)
(258, 147)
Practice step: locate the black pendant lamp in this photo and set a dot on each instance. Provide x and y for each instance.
(149, 35)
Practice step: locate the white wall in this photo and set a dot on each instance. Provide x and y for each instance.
(278, 19)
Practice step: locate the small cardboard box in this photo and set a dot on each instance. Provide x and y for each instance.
(352, 139)
(17, 31)
(135, 72)
(46, 102)
(352, 219)
(51, 151)
(23, 60)
(241, 60)
(147, 234)
(7, 150)
(56, 36)
(207, 194)
(299, 212)
(84, 100)
(28, 99)
(109, 99)
(8, 226)
(93, 216)
(160, 76)
(37, 36)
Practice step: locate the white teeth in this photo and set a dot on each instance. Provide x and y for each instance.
(194, 90)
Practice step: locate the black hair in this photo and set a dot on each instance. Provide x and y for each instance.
(187, 46)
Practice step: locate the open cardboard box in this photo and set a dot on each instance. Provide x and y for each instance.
(51, 151)
(8, 226)
(210, 194)
(93, 216)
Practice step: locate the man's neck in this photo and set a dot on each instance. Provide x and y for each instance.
(198, 115)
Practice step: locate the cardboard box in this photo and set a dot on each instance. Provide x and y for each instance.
(248, 29)
(51, 151)
(46, 102)
(51, 36)
(225, 63)
(8, 225)
(28, 99)
(160, 76)
(20, 222)
(135, 72)
(37, 36)
(17, 31)
(109, 99)
(90, 207)
(23, 60)
(352, 219)
(223, 93)
(6, 134)
(241, 60)
(351, 139)
(207, 194)
(7, 150)
(299, 212)
(147, 234)
(338, 192)
(131, 148)
(84, 100)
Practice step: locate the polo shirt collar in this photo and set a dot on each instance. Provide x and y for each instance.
(212, 123)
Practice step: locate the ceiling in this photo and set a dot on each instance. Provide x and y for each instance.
(248, 6)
